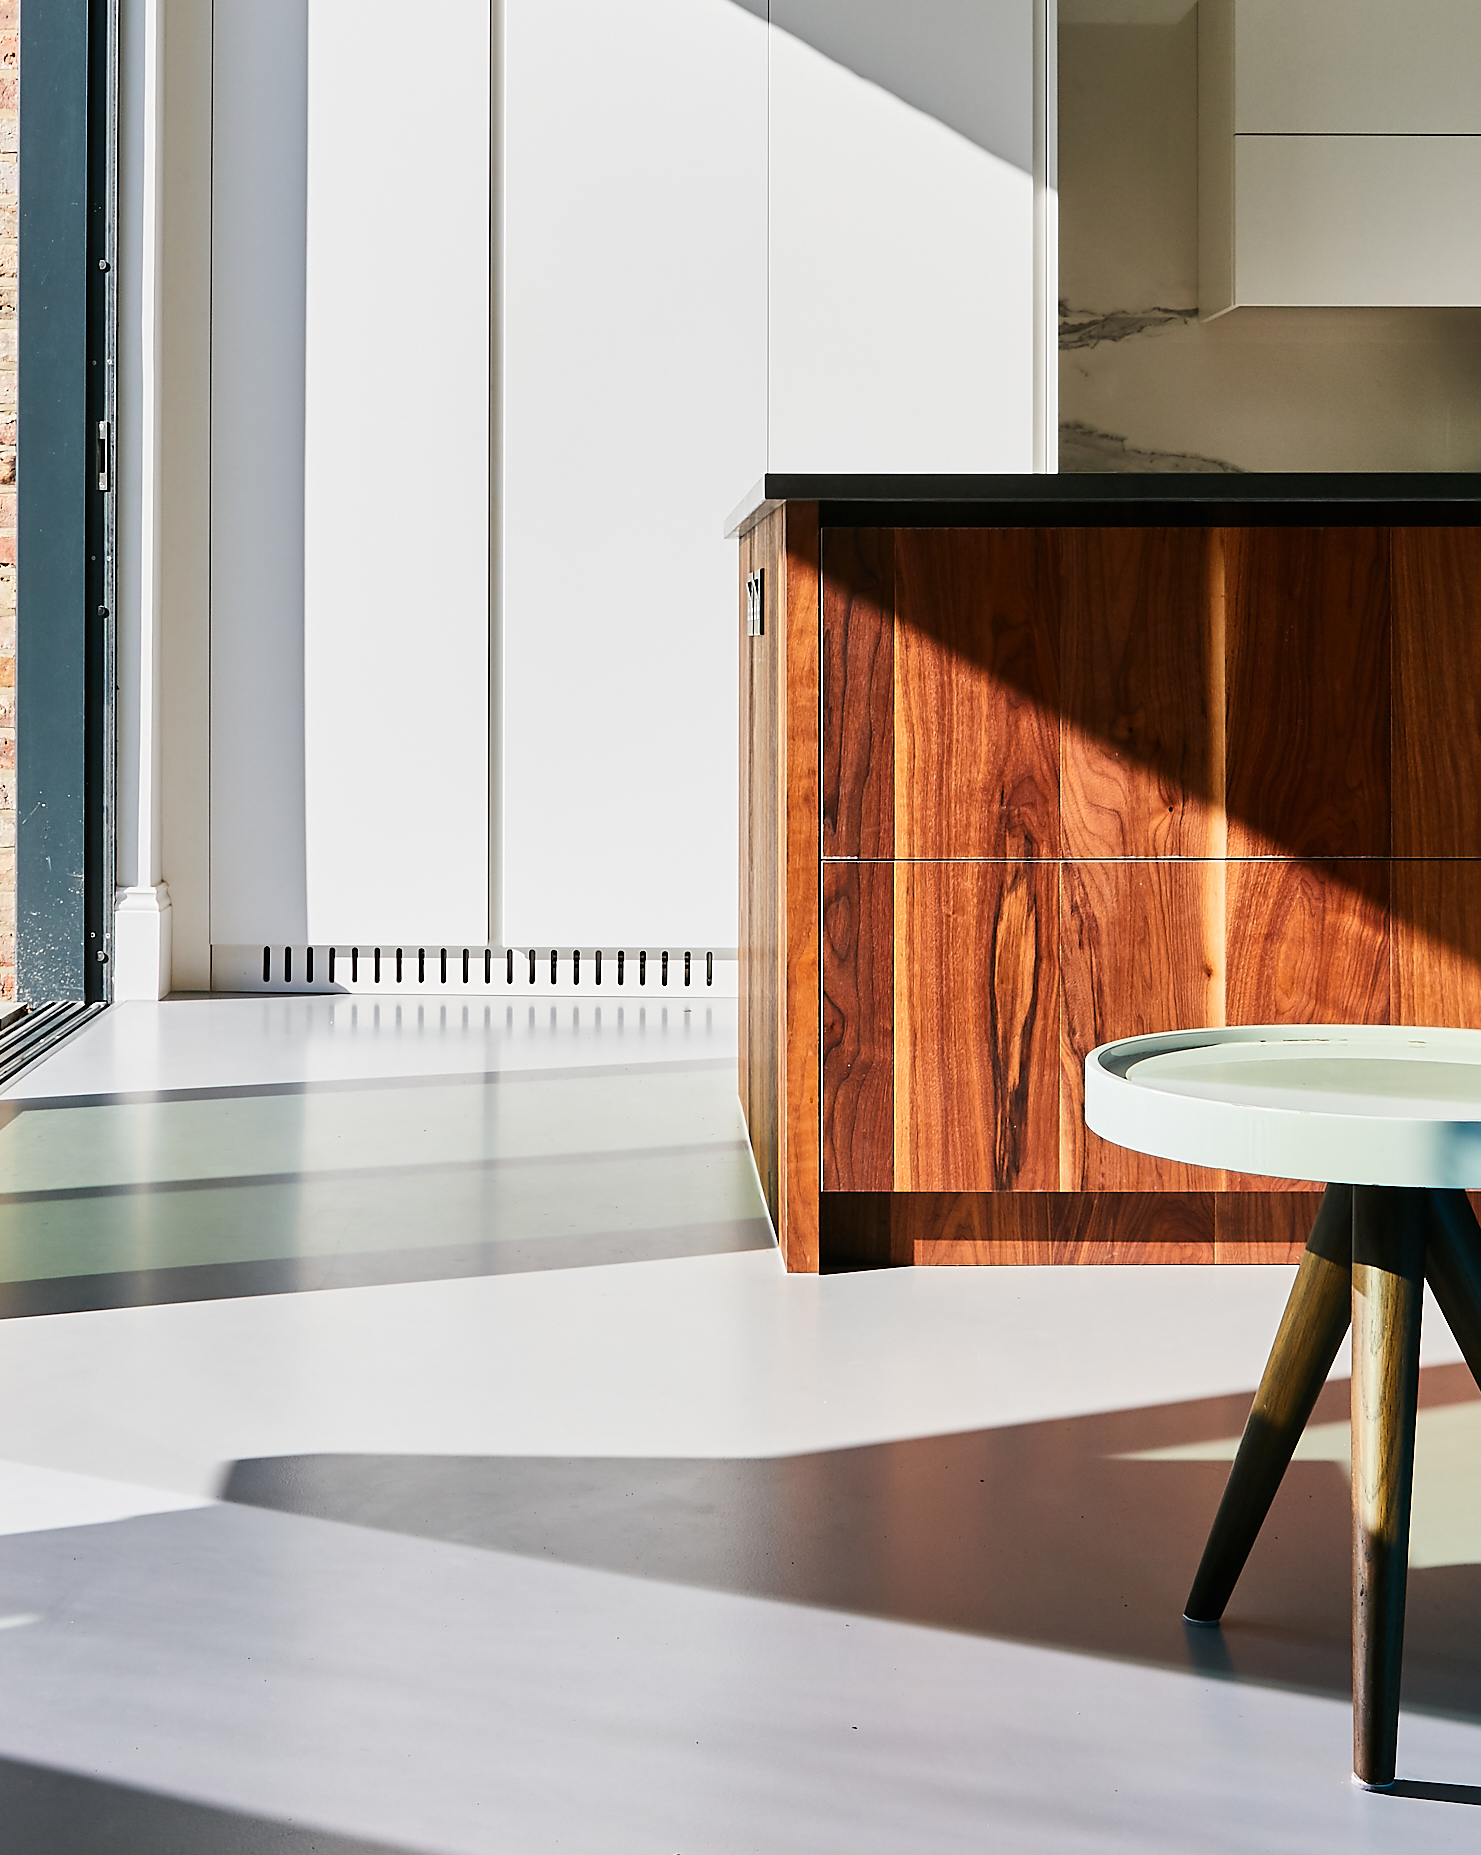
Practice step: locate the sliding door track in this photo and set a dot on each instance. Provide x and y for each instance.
(36, 1030)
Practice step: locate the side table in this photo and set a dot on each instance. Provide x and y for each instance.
(1389, 1118)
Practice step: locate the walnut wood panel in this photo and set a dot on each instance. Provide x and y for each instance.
(1027, 673)
(1120, 1227)
(1140, 950)
(1264, 1226)
(760, 872)
(976, 693)
(1142, 675)
(799, 628)
(955, 1228)
(858, 1230)
(1436, 943)
(976, 983)
(858, 769)
(1306, 614)
(1436, 576)
(858, 1027)
(1308, 942)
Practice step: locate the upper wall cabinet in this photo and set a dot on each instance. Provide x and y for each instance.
(1339, 152)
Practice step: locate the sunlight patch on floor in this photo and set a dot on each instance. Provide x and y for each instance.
(1445, 1523)
(37, 1500)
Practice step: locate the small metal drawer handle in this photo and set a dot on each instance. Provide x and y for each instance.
(755, 609)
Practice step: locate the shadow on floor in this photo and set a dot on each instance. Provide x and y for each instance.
(195, 1195)
(1038, 1533)
(1434, 1793)
(48, 1812)
(302, 1274)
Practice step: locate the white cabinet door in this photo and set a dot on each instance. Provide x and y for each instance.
(901, 236)
(1358, 67)
(633, 399)
(259, 152)
(350, 471)
(1386, 220)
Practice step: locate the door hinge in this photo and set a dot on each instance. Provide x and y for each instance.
(105, 461)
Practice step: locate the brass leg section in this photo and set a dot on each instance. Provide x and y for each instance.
(1453, 1265)
(1311, 1330)
(1388, 1239)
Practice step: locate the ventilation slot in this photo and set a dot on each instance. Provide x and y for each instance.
(548, 970)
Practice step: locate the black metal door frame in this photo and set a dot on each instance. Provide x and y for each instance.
(66, 500)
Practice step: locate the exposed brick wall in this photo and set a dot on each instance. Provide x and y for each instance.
(9, 204)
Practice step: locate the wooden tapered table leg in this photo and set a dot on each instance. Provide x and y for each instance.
(1311, 1329)
(1453, 1266)
(1388, 1257)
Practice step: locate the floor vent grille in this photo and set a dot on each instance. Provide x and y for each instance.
(479, 971)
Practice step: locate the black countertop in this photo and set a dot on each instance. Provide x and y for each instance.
(1108, 498)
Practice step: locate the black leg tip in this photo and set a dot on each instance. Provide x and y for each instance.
(1202, 1623)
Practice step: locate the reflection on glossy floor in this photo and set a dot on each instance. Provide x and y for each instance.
(411, 1442)
(192, 1166)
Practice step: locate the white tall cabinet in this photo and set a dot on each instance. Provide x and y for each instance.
(350, 463)
(737, 239)
(442, 646)
(901, 306)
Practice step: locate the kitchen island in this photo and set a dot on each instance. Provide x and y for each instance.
(1032, 763)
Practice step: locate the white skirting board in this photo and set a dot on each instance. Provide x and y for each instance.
(479, 973)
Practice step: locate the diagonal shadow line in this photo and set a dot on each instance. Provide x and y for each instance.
(53, 1811)
(12, 1107)
(149, 1188)
(1433, 1792)
(313, 1272)
(1152, 726)
(928, 56)
(1042, 1533)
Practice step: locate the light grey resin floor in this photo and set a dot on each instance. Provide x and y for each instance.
(411, 1442)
